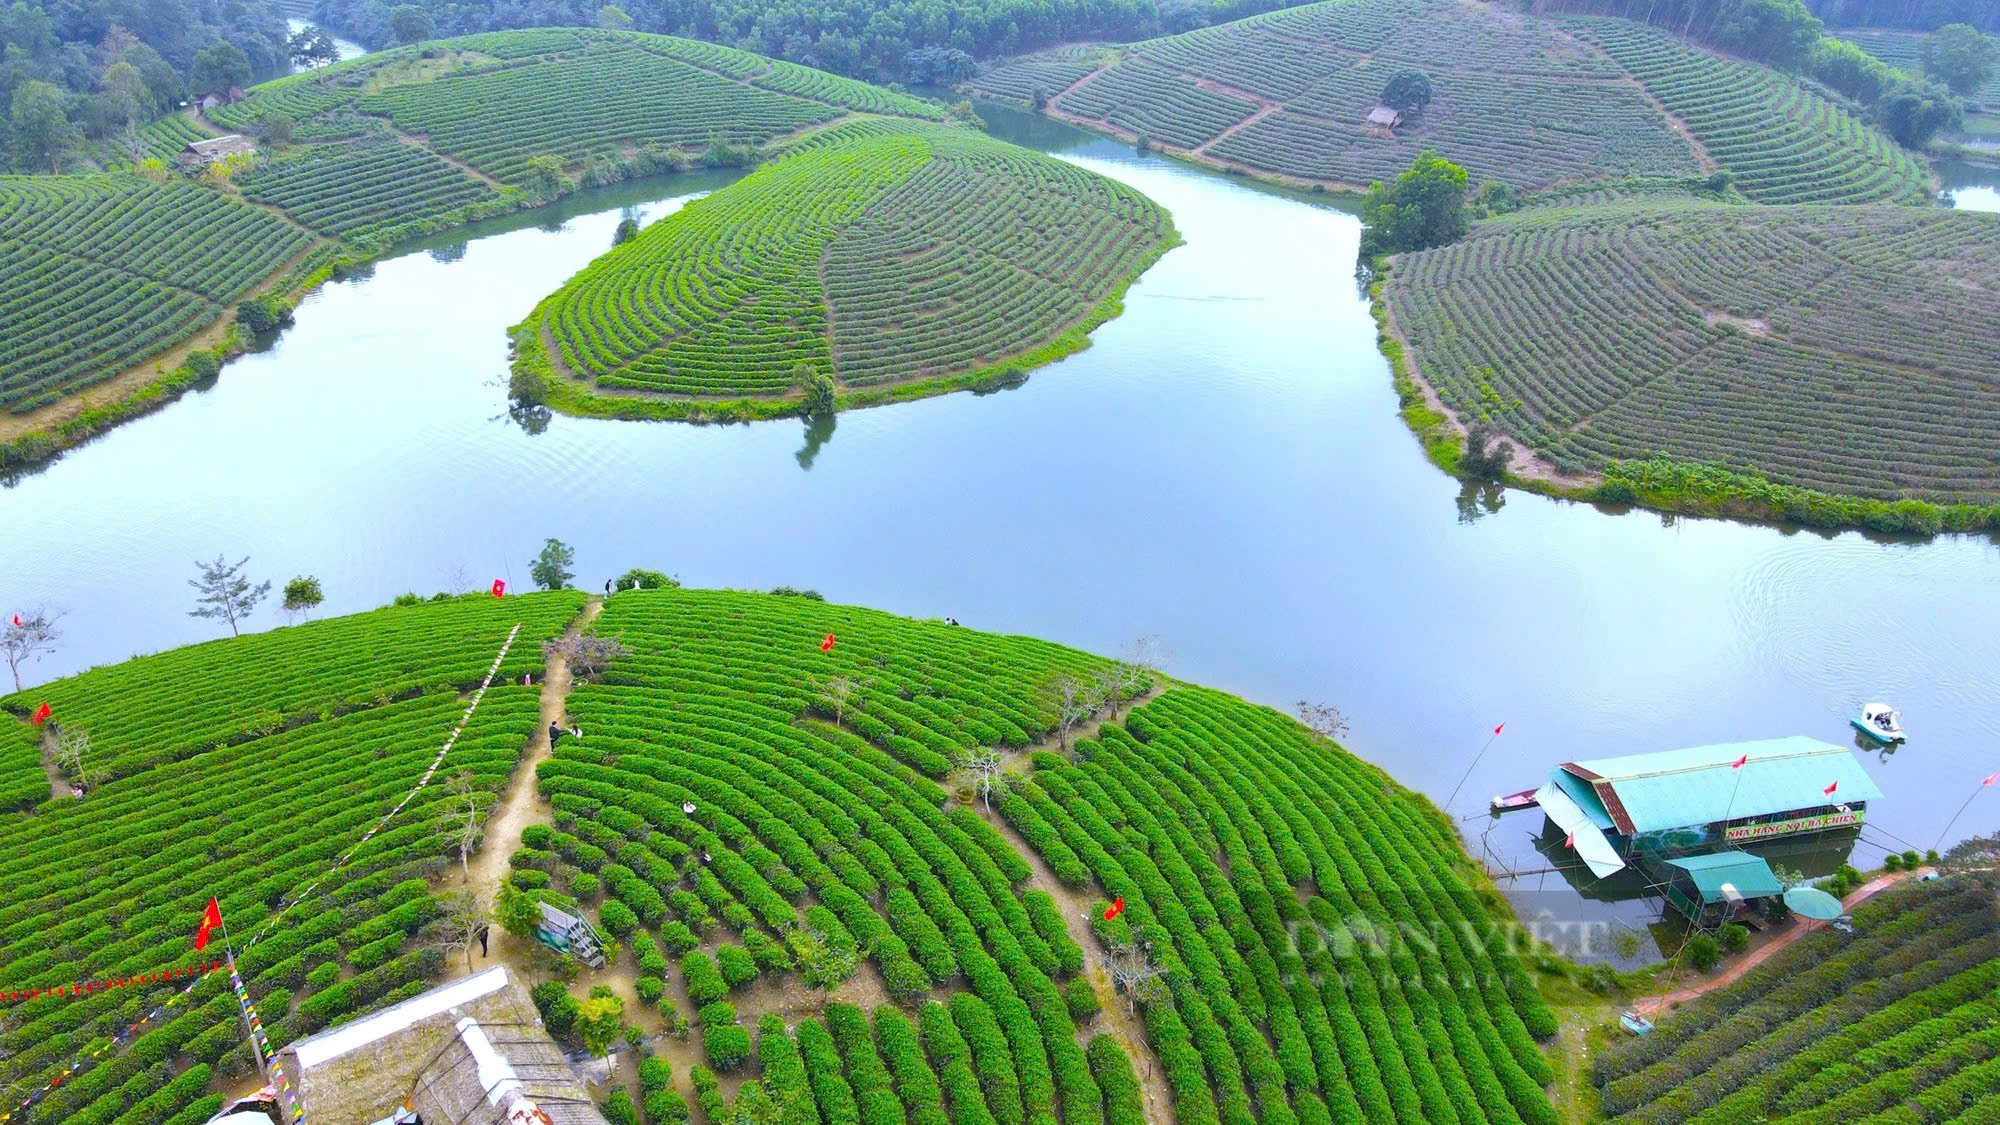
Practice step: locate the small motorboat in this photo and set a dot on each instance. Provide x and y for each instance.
(1880, 722)
(1635, 1023)
(1525, 799)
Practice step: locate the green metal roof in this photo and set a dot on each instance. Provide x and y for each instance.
(1750, 875)
(1680, 788)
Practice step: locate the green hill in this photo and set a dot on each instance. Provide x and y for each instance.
(1532, 103)
(1904, 50)
(898, 258)
(1899, 1021)
(1848, 350)
(845, 922)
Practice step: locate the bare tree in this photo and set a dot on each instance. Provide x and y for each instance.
(1071, 699)
(586, 654)
(27, 636)
(984, 766)
(459, 925)
(72, 756)
(459, 823)
(1134, 974)
(225, 594)
(456, 576)
(1323, 719)
(840, 693)
(1142, 660)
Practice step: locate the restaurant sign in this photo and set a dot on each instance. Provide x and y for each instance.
(1818, 822)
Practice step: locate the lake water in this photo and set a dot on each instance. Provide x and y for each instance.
(1971, 186)
(1224, 467)
(347, 47)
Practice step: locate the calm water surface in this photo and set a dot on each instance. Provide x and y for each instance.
(1971, 186)
(348, 48)
(1224, 467)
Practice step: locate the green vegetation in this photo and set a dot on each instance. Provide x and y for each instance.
(1904, 50)
(1898, 1022)
(1289, 94)
(350, 190)
(878, 254)
(1780, 354)
(100, 272)
(1424, 207)
(1215, 820)
(242, 769)
(1779, 141)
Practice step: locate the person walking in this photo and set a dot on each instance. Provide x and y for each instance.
(555, 734)
(483, 931)
(607, 587)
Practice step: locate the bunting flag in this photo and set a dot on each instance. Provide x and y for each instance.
(293, 1109)
(41, 714)
(1738, 763)
(1570, 842)
(1116, 908)
(1991, 778)
(1830, 788)
(827, 644)
(499, 588)
(211, 917)
(93, 987)
(1497, 729)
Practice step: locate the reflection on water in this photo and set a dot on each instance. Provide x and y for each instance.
(1224, 467)
(1971, 186)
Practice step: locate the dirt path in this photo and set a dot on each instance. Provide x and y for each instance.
(58, 784)
(1649, 1005)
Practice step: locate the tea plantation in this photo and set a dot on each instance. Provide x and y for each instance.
(99, 272)
(242, 769)
(876, 254)
(1899, 1021)
(814, 843)
(1848, 350)
(1905, 51)
(1289, 93)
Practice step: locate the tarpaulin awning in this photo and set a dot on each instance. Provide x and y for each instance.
(1591, 846)
(1716, 873)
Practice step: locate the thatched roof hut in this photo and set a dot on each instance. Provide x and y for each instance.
(472, 1052)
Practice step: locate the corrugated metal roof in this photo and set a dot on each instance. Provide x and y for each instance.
(1591, 846)
(1679, 788)
(1750, 875)
(1578, 790)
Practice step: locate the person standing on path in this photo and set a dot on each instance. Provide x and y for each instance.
(555, 734)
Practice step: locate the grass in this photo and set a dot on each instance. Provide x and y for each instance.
(241, 769)
(1836, 351)
(891, 258)
(1904, 51)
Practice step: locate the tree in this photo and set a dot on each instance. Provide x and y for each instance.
(124, 81)
(1702, 952)
(40, 126)
(646, 579)
(131, 143)
(519, 912)
(551, 570)
(302, 596)
(599, 1019)
(1069, 700)
(984, 766)
(1323, 719)
(1914, 114)
(1486, 455)
(1424, 208)
(611, 17)
(585, 654)
(1961, 57)
(72, 756)
(839, 692)
(311, 47)
(410, 23)
(458, 925)
(1134, 974)
(274, 129)
(1408, 91)
(628, 229)
(459, 822)
(225, 594)
(219, 66)
(1141, 661)
(26, 636)
(819, 389)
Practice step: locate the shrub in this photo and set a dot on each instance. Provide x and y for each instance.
(1702, 952)
(616, 916)
(1734, 937)
(1081, 999)
(737, 966)
(557, 1007)
(705, 984)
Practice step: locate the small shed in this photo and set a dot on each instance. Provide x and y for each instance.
(1716, 886)
(214, 149)
(1382, 117)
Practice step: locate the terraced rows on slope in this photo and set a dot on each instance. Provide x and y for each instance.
(1290, 92)
(879, 254)
(1851, 350)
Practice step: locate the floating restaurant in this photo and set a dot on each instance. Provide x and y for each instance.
(1704, 799)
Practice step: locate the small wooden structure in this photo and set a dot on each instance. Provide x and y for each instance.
(567, 933)
(203, 153)
(1714, 888)
(1382, 122)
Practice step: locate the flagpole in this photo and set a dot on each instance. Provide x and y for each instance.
(1959, 813)
(1470, 768)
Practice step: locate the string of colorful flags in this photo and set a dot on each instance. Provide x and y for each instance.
(294, 1108)
(200, 973)
(93, 987)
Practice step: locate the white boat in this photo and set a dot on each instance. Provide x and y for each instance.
(1880, 722)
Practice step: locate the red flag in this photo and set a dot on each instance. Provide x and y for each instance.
(41, 714)
(1829, 789)
(499, 588)
(1496, 730)
(1738, 763)
(1116, 908)
(827, 644)
(17, 621)
(1570, 842)
(1991, 778)
(210, 919)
